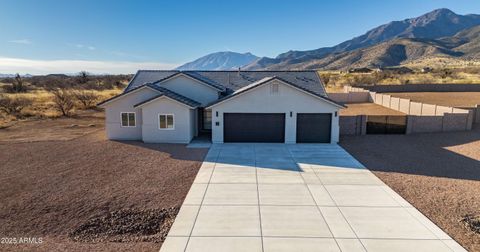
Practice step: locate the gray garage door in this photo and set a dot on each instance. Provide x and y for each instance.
(254, 127)
(314, 128)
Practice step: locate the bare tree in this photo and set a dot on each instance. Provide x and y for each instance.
(86, 98)
(16, 86)
(83, 77)
(64, 101)
(13, 105)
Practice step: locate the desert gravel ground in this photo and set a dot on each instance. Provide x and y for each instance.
(49, 188)
(453, 99)
(439, 173)
(367, 108)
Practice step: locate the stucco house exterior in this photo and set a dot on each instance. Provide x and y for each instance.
(228, 106)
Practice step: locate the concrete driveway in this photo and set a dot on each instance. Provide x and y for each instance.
(315, 197)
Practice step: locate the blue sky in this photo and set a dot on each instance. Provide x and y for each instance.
(112, 36)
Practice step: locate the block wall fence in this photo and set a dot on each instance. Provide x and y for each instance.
(421, 117)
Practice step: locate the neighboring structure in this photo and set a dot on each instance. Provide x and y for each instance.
(360, 70)
(234, 106)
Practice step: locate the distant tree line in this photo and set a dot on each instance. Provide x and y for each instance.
(68, 92)
(83, 80)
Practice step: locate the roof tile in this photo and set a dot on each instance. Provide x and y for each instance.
(234, 80)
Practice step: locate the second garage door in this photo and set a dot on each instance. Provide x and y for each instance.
(254, 127)
(314, 128)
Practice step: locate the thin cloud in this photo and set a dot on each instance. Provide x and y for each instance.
(29, 66)
(21, 41)
(126, 55)
(82, 46)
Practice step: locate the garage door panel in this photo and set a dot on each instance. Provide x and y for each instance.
(314, 127)
(254, 127)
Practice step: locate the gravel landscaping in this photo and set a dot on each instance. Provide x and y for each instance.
(438, 173)
(127, 225)
(472, 222)
(107, 195)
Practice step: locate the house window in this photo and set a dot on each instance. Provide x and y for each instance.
(165, 121)
(274, 89)
(128, 119)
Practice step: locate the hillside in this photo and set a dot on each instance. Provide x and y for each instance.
(467, 42)
(461, 49)
(392, 53)
(396, 42)
(219, 61)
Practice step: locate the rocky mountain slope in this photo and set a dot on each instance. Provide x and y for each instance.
(464, 45)
(435, 33)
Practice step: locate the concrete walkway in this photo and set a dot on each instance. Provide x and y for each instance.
(277, 197)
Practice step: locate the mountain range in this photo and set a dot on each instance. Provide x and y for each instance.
(440, 33)
(220, 61)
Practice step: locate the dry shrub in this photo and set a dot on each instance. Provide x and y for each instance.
(17, 85)
(87, 99)
(472, 222)
(64, 101)
(14, 105)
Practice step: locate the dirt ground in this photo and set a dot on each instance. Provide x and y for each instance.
(439, 173)
(53, 129)
(50, 187)
(452, 99)
(367, 108)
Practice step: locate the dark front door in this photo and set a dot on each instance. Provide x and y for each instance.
(254, 127)
(314, 128)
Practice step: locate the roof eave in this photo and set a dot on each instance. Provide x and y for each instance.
(103, 103)
(141, 104)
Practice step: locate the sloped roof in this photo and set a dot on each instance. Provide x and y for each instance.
(252, 85)
(197, 77)
(170, 94)
(119, 95)
(162, 92)
(234, 80)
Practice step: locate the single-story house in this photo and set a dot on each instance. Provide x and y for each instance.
(230, 106)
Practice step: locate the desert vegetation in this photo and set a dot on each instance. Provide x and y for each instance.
(53, 96)
(335, 80)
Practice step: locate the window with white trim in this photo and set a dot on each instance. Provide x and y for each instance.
(165, 121)
(128, 119)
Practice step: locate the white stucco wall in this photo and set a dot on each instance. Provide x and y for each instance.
(191, 89)
(259, 100)
(184, 122)
(113, 126)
